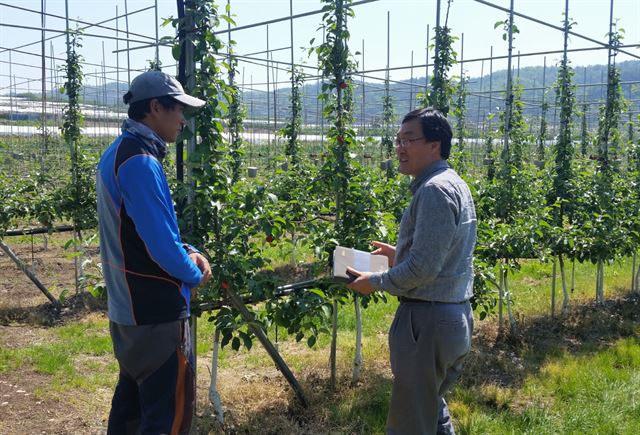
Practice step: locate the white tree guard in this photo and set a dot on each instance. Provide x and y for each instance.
(214, 396)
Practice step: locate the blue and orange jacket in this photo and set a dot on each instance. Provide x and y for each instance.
(146, 267)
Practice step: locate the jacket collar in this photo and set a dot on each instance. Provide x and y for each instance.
(150, 137)
(427, 173)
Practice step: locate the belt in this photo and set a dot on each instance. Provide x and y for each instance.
(406, 300)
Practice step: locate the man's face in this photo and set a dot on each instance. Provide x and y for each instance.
(168, 122)
(417, 153)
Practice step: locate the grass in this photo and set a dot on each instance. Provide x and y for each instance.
(587, 394)
(531, 285)
(578, 373)
(59, 355)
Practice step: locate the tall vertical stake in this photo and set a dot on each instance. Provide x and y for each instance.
(117, 102)
(426, 64)
(43, 6)
(491, 89)
(66, 22)
(126, 23)
(411, 85)
(190, 81)
(104, 91)
(155, 9)
(479, 101)
(509, 100)
(294, 108)
(462, 115)
(363, 110)
(610, 57)
(435, 59)
(253, 121)
(291, 34)
(324, 39)
(268, 98)
(383, 154)
(52, 87)
(10, 93)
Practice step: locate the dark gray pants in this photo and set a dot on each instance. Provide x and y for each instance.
(156, 386)
(428, 343)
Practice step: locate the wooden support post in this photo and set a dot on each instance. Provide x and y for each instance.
(357, 360)
(31, 276)
(236, 302)
(334, 342)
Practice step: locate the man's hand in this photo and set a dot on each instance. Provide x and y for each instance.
(204, 267)
(385, 249)
(361, 283)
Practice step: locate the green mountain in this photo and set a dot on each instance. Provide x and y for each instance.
(590, 84)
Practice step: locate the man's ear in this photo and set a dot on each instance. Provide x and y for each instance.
(435, 147)
(154, 106)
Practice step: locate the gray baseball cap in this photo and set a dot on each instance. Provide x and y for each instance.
(155, 84)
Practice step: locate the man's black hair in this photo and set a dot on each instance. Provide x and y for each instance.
(435, 127)
(138, 110)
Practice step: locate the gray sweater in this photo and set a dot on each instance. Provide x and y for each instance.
(437, 237)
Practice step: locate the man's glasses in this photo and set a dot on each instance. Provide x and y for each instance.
(404, 143)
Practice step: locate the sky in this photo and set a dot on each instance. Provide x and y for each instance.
(471, 21)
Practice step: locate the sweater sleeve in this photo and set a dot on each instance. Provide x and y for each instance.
(148, 203)
(435, 214)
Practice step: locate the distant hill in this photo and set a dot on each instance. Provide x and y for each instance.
(530, 77)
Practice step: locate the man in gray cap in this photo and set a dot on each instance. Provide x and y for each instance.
(149, 273)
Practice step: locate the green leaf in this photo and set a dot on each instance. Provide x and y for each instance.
(318, 292)
(311, 341)
(246, 339)
(327, 310)
(235, 343)
(226, 338)
(175, 52)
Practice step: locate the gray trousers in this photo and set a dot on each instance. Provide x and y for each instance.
(428, 343)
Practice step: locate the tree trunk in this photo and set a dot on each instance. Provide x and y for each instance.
(633, 273)
(214, 396)
(76, 268)
(512, 320)
(500, 296)
(293, 249)
(193, 337)
(600, 282)
(573, 275)
(565, 300)
(357, 360)
(78, 259)
(637, 281)
(334, 341)
(553, 290)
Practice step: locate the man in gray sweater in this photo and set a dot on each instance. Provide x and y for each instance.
(432, 275)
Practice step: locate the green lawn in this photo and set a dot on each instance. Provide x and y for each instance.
(595, 393)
